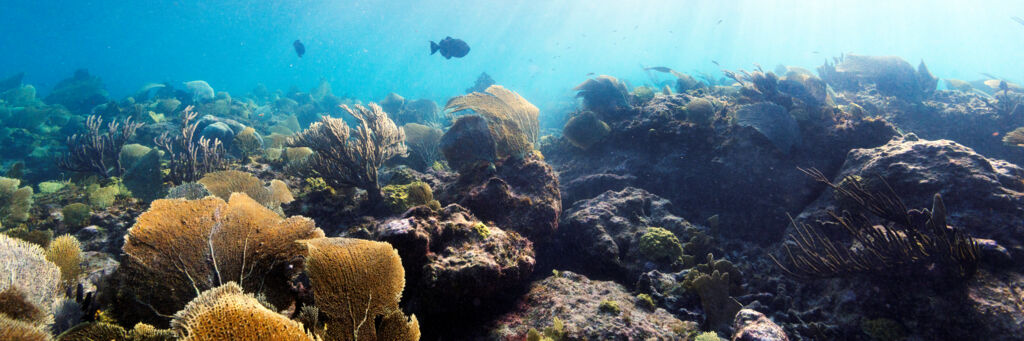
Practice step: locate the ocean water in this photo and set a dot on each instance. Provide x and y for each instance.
(612, 211)
(541, 49)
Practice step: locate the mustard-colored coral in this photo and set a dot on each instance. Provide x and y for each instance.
(227, 313)
(66, 252)
(224, 183)
(180, 247)
(400, 198)
(94, 331)
(355, 282)
(15, 304)
(511, 119)
(15, 330)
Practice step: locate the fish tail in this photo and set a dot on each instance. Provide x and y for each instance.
(434, 47)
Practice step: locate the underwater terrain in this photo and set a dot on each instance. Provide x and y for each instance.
(863, 198)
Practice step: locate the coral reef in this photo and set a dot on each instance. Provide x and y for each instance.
(224, 183)
(178, 248)
(15, 202)
(605, 95)
(190, 158)
(585, 129)
(345, 162)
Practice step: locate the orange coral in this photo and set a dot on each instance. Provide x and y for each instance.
(355, 282)
(180, 247)
(223, 183)
(226, 313)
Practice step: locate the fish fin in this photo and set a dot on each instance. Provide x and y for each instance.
(433, 48)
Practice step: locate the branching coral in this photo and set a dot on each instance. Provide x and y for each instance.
(346, 161)
(190, 158)
(227, 313)
(15, 202)
(917, 242)
(357, 283)
(424, 142)
(97, 152)
(179, 248)
(511, 119)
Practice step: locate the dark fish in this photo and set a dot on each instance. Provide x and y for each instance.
(716, 63)
(1018, 20)
(719, 22)
(659, 69)
(590, 73)
(299, 48)
(450, 47)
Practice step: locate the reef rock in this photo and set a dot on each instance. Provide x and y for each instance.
(79, 93)
(587, 310)
(468, 142)
(751, 325)
(456, 265)
(983, 196)
(519, 194)
(994, 301)
(600, 237)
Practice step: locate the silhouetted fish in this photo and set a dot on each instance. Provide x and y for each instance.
(450, 47)
(659, 69)
(299, 48)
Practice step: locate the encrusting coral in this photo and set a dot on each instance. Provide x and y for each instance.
(227, 313)
(179, 248)
(511, 119)
(346, 162)
(357, 283)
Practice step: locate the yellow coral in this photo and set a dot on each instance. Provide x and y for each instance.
(66, 252)
(226, 313)
(14, 202)
(15, 330)
(24, 265)
(180, 247)
(355, 282)
(248, 142)
(224, 183)
(94, 331)
(510, 117)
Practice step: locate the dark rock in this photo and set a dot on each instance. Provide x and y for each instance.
(577, 302)
(220, 131)
(589, 186)
(983, 196)
(468, 142)
(771, 120)
(994, 301)
(14, 81)
(751, 325)
(600, 237)
(79, 93)
(520, 195)
(457, 267)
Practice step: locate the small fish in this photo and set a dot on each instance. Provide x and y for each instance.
(1018, 20)
(590, 73)
(450, 47)
(995, 134)
(299, 48)
(716, 63)
(659, 69)
(719, 22)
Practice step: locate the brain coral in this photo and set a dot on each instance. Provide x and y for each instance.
(356, 282)
(226, 313)
(180, 247)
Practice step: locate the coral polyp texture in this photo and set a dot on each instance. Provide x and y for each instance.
(227, 313)
(179, 248)
(357, 283)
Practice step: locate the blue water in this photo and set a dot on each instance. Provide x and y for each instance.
(541, 49)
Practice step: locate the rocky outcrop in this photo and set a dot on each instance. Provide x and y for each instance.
(983, 196)
(587, 310)
(457, 267)
(751, 325)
